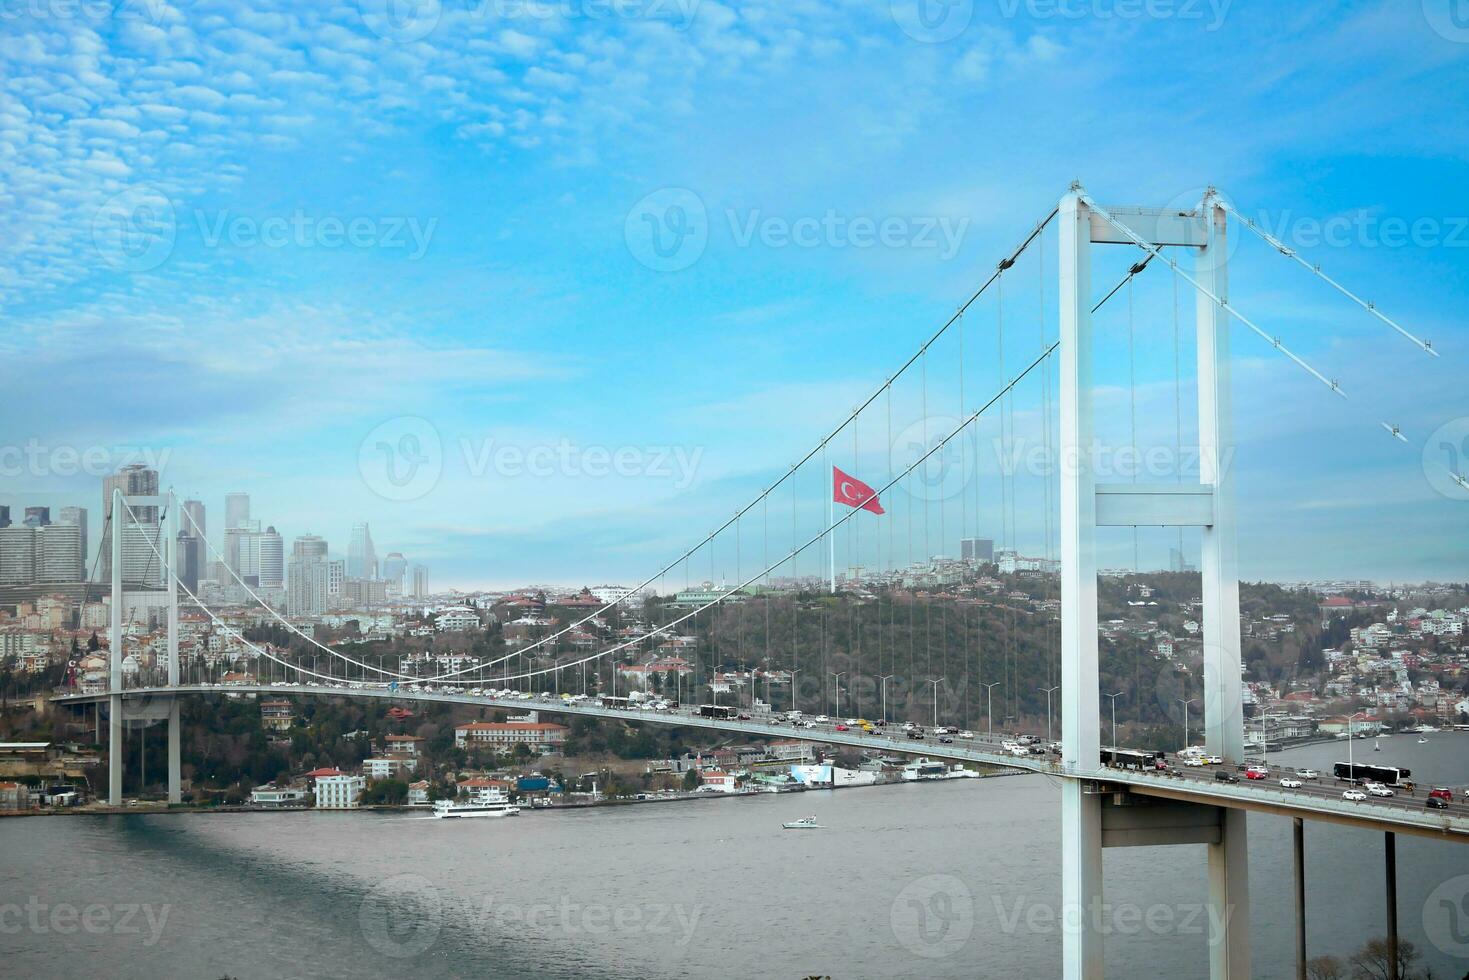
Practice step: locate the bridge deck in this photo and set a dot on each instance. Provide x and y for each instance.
(1314, 801)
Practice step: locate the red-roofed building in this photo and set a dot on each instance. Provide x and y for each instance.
(716, 781)
(505, 735)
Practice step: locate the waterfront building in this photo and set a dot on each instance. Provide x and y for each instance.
(336, 790)
(505, 735)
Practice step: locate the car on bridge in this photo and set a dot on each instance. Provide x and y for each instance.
(1256, 773)
(1290, 782)
(1308, 774)
(1441, 793)
(1193, 761)
(1436, 803)
(1377, 789)
(1225, 776)
(1354, 794)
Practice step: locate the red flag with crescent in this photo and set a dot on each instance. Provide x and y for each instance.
(849, 490)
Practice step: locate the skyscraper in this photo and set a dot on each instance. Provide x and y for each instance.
(395, 566)
(272, 559)
(77, 517)
(236, 509)
(4, 516)
(361, 559)
(192, 528)
(135, 479)
(37, 516)
(59, 555)
(420, 581)
(312, 580)
(17, 555)
(142, 544)
(977, 549)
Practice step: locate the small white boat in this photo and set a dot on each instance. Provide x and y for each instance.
(805, 823)
(1422, 740)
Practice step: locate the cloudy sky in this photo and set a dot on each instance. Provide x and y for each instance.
(545, 292)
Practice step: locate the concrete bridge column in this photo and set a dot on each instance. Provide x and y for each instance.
(1081, 819)
(1229, 951)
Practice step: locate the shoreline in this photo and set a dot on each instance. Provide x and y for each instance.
(150, 809)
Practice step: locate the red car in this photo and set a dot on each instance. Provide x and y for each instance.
(1442, 793)
(843, 728)
(1255, 774)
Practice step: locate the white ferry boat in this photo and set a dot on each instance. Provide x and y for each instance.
(804, 823)
(489, 802)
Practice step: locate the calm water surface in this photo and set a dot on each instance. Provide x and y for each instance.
(959, 879)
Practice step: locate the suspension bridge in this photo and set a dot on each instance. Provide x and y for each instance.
(904, 495)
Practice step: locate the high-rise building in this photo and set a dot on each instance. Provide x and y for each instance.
(236, 509)
(977, 549)
(308, 546)
(142, 544)
(193, 549)
(361, 559)
(242, 551)
(77, 517)
(271, 550)
(420, 581)
(313, 582)
(4, 516)
(134, 480)
(59, 555)
(193, 523)
(189, 557)
(17, 555)
(395, 566)
(37, 516)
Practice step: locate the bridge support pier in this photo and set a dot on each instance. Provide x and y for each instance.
(1300, 875)
(1081, 882)
(1390, 853)
(114, 750)
(175, 789)
(1229, 900)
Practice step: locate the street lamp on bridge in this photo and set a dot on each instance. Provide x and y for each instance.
(1351, 768)
(989, 706)
(882, 684)
(1048, 691)
(1185, 717)
(837, 676)
(1114, 698)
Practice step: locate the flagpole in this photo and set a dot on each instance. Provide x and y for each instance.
(831, 539)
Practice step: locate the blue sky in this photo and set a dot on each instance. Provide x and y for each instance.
(260, 243)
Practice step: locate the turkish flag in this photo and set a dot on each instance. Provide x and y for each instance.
(853, 492)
